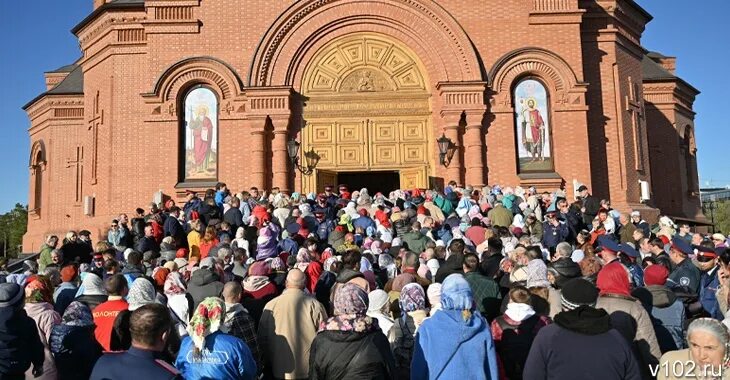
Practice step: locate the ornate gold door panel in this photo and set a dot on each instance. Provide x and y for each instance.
(367, 107)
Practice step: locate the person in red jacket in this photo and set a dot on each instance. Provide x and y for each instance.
(106, 313)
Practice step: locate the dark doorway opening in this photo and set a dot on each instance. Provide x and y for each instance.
(375, 182)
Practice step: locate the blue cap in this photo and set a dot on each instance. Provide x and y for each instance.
(552, 208)
(608, 244)
(681, 245)
(629, 250)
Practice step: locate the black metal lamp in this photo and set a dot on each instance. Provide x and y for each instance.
(444, 144)
(311, 157)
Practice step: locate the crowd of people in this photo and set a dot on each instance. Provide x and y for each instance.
(462, 283)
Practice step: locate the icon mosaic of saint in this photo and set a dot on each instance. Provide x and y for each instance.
(533, 133)
(201, 148)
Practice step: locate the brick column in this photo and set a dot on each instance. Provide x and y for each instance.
(257, 165)
(474, 151)
(280, 157)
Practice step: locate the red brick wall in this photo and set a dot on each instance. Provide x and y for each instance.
(138, 141)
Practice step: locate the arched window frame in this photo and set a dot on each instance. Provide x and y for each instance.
(37, 165)
(549, 117)
(182, 124)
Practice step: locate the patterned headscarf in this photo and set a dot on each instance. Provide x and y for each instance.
(328, 263)
(412, 298)
(140, 293)
(207, 319)
(39, 289)
(303, 256)
(174, 284)
(77, 314)
(350, 305)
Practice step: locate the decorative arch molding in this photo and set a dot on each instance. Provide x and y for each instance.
(532, 61)
(306, 23)
(209, 70)
(38, 147)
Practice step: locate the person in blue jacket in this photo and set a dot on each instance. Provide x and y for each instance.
(208, 353)
(554, 230)
(467, 351)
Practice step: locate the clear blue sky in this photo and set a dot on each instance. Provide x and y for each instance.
(35, 38)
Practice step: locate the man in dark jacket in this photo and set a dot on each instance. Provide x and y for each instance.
(234, 216)
(554, 230)
(568, 348)
(485, 290)
(591, 205)
(20, 345)
(204, 282)
(150, 326)
(147, 242)
(173, 228)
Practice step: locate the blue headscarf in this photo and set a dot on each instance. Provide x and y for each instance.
(456, 294)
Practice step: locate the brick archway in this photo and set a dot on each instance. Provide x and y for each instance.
(431, 32)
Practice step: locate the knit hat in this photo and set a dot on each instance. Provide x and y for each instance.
(577, 292)
(456, 293)
(377, 299)
(68, 273)
(11, 295)
(656, 275)
(537, 274)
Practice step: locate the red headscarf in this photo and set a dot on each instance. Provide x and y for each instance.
(613, 279)
(382, 217)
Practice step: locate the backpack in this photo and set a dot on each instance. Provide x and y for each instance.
(403, 351)
(515, 344)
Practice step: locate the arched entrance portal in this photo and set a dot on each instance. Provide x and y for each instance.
(367, 110)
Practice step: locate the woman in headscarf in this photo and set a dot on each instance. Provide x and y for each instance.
(258, 289)
(91, 292)
(627, 314)
(412, 302)
(39, 306)
(510, 330)
(178, 301)
(364, 201)
(326, 281)
(74, 344)
(366, 268)
(268, 241)
(278, 273)
(467, 350)
(240, 240)
(311, 268)
(379, 308)
(350, 344)
(208, 353)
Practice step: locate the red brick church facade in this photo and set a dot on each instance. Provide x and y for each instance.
(547, 93)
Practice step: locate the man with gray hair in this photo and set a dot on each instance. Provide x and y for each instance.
(289, 324)
(563, 249)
